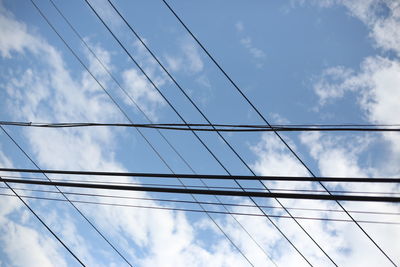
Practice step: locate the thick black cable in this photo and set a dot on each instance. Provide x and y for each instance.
(201, 211)
(202, 202)
(76, 208)
(134, 102)
(210, 187)
(206, 191)
(265, 120)
(209, 176)
(209, 122)
(216, 127)
(43, 223)
(150, 80)
(127, 117)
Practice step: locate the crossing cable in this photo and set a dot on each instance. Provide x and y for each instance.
(209, 122)
(265, 120)
(159, 132)
(127, 117)
(205, 191)
(206, 203)
(42, 222)
(201, 141)
(73, 205)
(209, 176)
(211, 187)
(201, 211)
(204, 127)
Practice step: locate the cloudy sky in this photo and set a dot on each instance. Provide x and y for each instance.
(298, 61)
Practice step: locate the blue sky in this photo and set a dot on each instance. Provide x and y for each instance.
(298, 61)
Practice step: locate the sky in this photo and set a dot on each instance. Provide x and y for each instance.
(298, 61)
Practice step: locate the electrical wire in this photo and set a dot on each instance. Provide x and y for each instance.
(265, 120)
(127, 117)
(202, 202)
(209, 176)
(206, 192)
(208, 187)
(202, 211)
(206, 127)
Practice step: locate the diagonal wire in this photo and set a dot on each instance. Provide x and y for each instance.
(127, 117)
(193, 202)
(159, 132)
(219, 134)
(42, 222)
(265, 120)
(199, 211)
(201, 141)
(73, 205)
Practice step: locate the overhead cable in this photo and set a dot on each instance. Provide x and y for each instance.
(202, 211)
(212, 127)
(240, 91)
(209, 176)
(205, 191)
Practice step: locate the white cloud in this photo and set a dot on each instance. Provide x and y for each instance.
(257, 53)
(239, 26)
(381, 17)
(247, 42)
(51, 93)
(188, 58)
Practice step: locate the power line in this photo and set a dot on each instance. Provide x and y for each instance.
(265, 120)
(219, 134)
(203, 202)
(202, 211)
(76, 208)
(209, 187)
(127, 117)
(206, 127)
(173, 108)
(42, 222)
(206, 192)
(209, 176)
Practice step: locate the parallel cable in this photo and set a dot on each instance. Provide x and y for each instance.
(43, 223)
(173, 108)
(202, 211)
(265, 120)
(74, 206)
(127, 117)
(206, 191)
(206, 127)
(210, 187)
(209, 122)
(169, 200)
(159, 132)
(209, 176)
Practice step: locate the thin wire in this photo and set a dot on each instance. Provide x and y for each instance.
(202, 211)
(76, 208)
(209, 176)
(207, 192)
(203, 202)
(207, 187)
(43, 223)
(127, 117)
(163, 137)
(265, 120)
(152, 83)
(216, 127)
(219, 134)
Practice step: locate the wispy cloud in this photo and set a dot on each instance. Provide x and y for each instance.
(247, 42)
